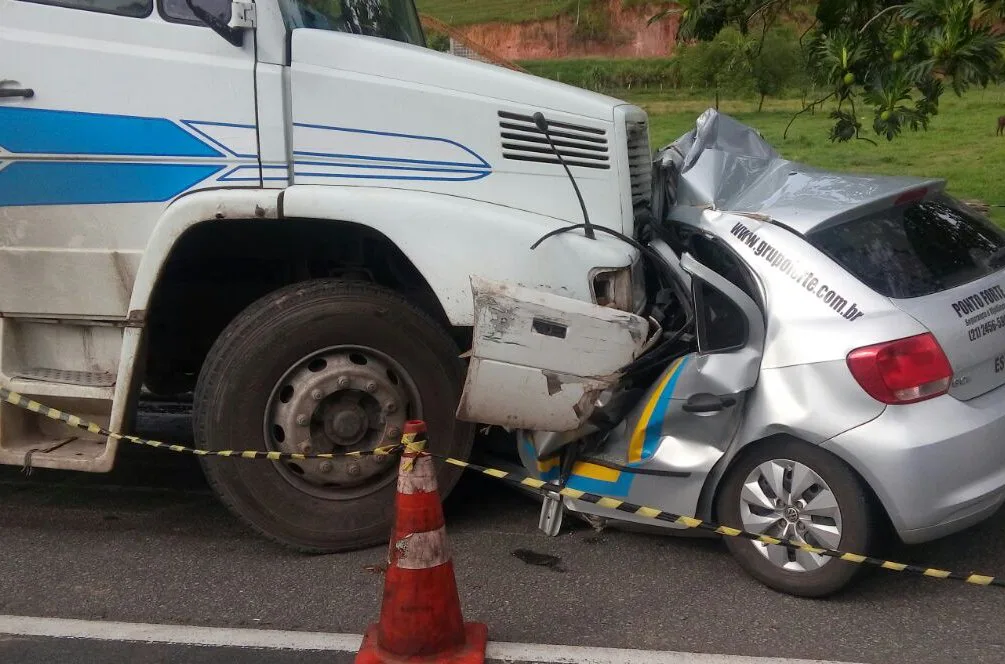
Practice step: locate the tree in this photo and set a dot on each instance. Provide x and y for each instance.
(722, 62)
(774, 63)
(896, 58)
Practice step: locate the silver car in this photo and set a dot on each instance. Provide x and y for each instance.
(822, 359)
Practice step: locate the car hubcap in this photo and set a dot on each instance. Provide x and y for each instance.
(786, 499)
(339, 400)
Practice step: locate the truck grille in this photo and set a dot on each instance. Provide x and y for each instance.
(579, 145)
(640, 162)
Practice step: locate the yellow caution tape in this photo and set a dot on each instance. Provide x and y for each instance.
(416, 447)
(78, 423)
(691, 522)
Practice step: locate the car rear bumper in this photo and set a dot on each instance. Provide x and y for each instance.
(937, 466)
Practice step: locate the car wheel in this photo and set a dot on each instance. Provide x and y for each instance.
(319, 367)
(793, 490)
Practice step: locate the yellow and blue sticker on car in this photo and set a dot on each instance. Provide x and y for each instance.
(645, 440)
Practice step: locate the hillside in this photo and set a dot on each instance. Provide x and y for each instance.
(473, 12)
(546, 29)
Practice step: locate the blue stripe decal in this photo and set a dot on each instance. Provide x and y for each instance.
(195, 124)
(480, 163)
(621, 487)
(616, 489)
(250, 173)
(530, 456)
(475, 176)
(654, 429)
(382, 167)
(88, 183)
(39, 131)
(390, 160)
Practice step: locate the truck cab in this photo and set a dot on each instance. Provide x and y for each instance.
(278, 206)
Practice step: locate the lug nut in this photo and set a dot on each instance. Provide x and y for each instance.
(306, 448)
(371, 387)
(318, 395)
(391, 407)
(393, 433)
(302, 420)
(353, 469)
(325, 467)
(343, 382)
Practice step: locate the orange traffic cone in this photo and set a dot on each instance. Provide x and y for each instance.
(420, 616)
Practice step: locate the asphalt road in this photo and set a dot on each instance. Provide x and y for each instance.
(149, 543)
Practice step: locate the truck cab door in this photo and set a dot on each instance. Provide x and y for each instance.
(539, 361)
(109, 110)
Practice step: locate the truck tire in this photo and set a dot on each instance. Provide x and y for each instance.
(794, 490)
(326, 366)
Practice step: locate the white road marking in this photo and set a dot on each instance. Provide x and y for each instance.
(533, 653)
(272, 639)
(177, 634)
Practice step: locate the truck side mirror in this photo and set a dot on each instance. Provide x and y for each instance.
(227, 18)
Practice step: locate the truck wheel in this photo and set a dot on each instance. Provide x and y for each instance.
(793, 490)
(317, 367)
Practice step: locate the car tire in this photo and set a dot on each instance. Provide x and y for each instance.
(793, 572)
(377, 349)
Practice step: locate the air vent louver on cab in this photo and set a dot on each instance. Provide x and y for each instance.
(640, 165)
(581, 146)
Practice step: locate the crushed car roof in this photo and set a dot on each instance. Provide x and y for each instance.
(728, 166)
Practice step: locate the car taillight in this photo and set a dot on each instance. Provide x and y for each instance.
(903, 371)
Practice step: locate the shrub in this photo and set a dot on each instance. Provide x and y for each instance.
(609, 74)
(437, 41)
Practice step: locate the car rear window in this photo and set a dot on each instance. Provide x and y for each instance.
(915, 249)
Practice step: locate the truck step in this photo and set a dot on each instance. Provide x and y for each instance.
(82, 378)
(73, 451)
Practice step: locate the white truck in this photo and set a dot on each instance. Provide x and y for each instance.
(280, 205)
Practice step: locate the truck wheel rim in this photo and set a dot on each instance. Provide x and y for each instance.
(337, 400)
(787, 499)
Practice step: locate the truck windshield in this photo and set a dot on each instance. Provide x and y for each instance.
(391, 19)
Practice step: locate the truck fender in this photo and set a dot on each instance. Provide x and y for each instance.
(241, 205)
(449, 239)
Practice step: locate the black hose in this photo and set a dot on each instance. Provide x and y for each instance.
(652, 357)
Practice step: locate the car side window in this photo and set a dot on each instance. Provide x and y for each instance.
(130, 8)
(719, 259)
(178, 11)
(721, 324)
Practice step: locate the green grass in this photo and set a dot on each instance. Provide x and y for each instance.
(470, 12)
(959, 146)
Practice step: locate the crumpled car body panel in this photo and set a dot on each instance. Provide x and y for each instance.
(725, 165)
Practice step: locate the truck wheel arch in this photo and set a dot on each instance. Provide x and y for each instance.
(477, 238)
(189, 230)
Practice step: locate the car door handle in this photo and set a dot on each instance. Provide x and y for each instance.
(707, 403)
(26, 93)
